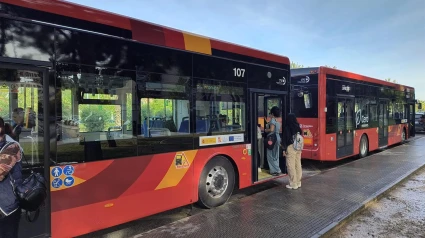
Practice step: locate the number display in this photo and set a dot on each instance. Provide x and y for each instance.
(239, 72)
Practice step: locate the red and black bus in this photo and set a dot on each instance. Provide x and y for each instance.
(343, 114)
(127, 118)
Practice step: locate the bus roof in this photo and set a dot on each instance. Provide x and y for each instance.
(146, 32)
(346, 74)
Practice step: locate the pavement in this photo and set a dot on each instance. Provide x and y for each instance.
(324, 201)
(331, 194)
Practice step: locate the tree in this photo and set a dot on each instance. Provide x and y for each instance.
(333, 67)
(296, 65)
(423, 105)
(391, 80)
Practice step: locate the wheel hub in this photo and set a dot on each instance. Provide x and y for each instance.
(217, 181)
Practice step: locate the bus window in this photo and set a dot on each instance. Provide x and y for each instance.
(19, 106)
(96, 116)
(164, 106)
(220, 107)
(361, 109)
(164, 117)
(307, 100)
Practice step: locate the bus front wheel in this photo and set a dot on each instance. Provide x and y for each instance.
(216, 182)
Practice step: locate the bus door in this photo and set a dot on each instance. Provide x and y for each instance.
(345, 134)
(261, 103)
(383, 123)
(410, 113)
(24, 102)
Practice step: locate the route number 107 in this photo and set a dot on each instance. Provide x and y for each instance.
(239, 72)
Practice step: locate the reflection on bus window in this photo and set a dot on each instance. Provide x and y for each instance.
(97, 116)
(20, 92)
(307, 100)
(220, 107)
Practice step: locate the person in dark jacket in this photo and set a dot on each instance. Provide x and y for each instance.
(10, 174)
(293, 157)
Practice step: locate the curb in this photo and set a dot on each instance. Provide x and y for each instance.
(335, 226)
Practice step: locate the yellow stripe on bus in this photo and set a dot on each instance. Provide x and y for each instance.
(197, 43)
(178, 168)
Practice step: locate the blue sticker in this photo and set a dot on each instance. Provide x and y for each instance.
(68, 170)
(56, 172)
(57, 183)
(69, 181)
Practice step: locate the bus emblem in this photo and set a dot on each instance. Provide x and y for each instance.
(346, 88)
(281, 81)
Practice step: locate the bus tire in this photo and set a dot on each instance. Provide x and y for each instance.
(364, 146)
(403, 135)
(216, 182)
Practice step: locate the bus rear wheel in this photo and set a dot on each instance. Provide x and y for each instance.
(364, 146)
(403, 135)
(216, 182)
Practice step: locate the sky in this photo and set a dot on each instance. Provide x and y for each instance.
(379, 38)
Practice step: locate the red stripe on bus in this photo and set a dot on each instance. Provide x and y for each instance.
(237, 49)
(74, 11)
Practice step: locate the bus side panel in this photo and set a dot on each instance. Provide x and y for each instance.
(309, 126)
(330, 147)
(372, 137)
(112, 192)
(394, 133)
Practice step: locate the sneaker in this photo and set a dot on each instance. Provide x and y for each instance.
(290, 187)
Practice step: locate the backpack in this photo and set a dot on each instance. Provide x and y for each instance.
(298, 142)
(31, 193)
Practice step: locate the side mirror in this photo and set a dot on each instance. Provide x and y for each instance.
(420, 106)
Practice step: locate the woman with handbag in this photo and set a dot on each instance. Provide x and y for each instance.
(10, 166)
(273, 137)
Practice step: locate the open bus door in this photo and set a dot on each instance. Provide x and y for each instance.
(24, 102)
(261, 103)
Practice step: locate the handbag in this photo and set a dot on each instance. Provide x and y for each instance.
(31, 194)
(271, 140)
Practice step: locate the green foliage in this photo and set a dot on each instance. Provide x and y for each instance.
(333, 67)
(157, 108)
(94, 118)
(391, 80)
(296, 65)
(423, 105)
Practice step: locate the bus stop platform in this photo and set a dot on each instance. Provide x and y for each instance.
(320, 205)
